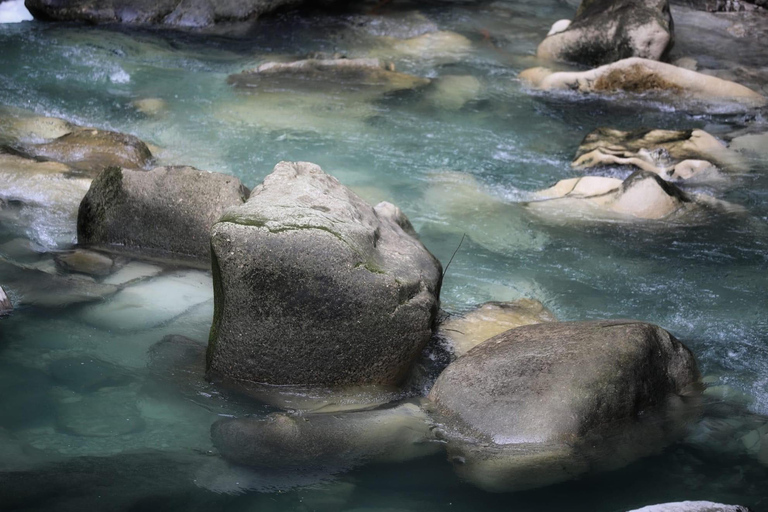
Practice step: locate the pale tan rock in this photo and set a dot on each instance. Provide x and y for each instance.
(440, 45)
(687, 63)
(671, 154)
(5, 303)
(492, 318)
(152, 107)
(453, 91)
(558, 26)
(641, 76)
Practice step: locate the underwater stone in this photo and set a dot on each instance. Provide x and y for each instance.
(85, 262)
(166, 212)
(545, 403)
(105, 413)
(86, 374)
(313, 286)
(605, 31)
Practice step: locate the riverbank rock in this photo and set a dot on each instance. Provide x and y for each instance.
(643, 76)
(692, 506)
(605, 31)
(313, 286)
(642, 196)
(162, 12)
(326, 441)
(673, 155)
(465, 332)
(365, 78)
(166, 212)
(92, 150)
(5, 303)
(544, 403)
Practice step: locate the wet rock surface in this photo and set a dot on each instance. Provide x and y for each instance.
(673, 155)
(167, 211)
(642, 76)
(605, 31)
(314, 286)
(464, 332)
(544, 403)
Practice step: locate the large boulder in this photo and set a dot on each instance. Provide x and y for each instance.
(166, 212)
(313, 286)
(605, 31)
(672, 154)
(664, 82)
(188, 13)
(327, 441)
(544, 403)
(643, 196)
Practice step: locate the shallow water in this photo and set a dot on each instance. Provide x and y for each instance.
(452, 170)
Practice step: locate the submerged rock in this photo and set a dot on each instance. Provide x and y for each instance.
(152, 107)
(93, 150)
(366, 77)
(86, 374)
(438, 45)
(642, 196)
(451, 92)
(465, 332)
(544, 403)
(643, 76)
(313, 286)
(105, 413)
(327, 441)
(85, 262)
(166, 212)
(692, 506)
(35, 287)
(171, 13)
(605, 31)
(673, 155)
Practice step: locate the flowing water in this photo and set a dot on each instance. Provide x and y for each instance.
(454, 167)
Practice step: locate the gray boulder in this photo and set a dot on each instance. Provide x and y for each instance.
(313, 286)
(166, 212)
(544, 403)
(605, 31)
(187, 13)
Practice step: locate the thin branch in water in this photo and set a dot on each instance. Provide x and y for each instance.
(454, 254)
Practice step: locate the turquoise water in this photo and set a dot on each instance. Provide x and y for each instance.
(704, 283)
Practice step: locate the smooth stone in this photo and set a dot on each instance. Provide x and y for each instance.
(85, 262)
(545, 403)
(152, 107)
(327, 441)
(451, 92)
(465, 332)
(315, 287)
(559, 26)
(151, 303)
(92, 150)
(86, 374)
(642, 76)
(605, 31)
(643, 196)
(132, 271)
(359, 78)
(440, 45)
(166, 212)
(27, 127)
(22, 250)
